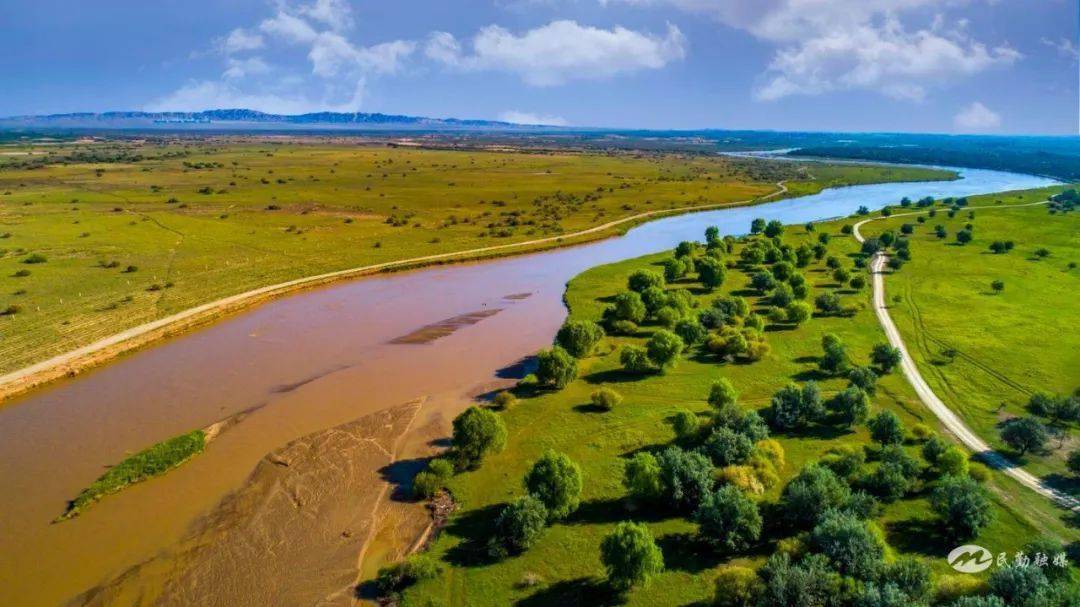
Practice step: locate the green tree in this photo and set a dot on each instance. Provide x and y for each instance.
(885, 357)
(757, 226)
(736, 587)
(643, 279)
(1021, 586)
(556, 367)
(814, 491)
(1074, 462)
(809, 583)
(722, 394)
(605, 398)
(630, 556)
(798, 312)
(829, 303)
(851, 545)
(674, 269)
(952, 461)
(686, 424)
(963, 505)
(710, 272)
(727, 447)
(690, 331)
(664, 348)
(641, 477)
(477, 432)
(863, 378)
(885, 428)
(852, 405)
(629, 306)
(685, 477)
(556, 481)
(793, 407)
(763, 281)
(579, 337)
(728, 519)
(635, 359)
(774, 229)
(520, 524)
(963, 236)
(1024, 434)
(997, 285)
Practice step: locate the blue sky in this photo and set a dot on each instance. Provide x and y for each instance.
(994, 66)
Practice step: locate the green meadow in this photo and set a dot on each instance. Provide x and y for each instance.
(985, 352)
(564, 565)
(96, 237)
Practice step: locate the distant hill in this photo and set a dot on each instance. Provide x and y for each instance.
(251, 119)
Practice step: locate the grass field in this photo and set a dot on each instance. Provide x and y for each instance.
(130, 232)
(563, 568)
(985, 353)
(148, 463)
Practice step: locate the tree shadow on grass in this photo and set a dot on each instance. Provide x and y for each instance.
(400, 474)
(614, 376)
(473, 528)
(590, 408)
(918, 535)
(578, 592)
(604, 511)
(810, 375)
(685, 552)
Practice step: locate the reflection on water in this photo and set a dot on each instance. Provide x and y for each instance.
(307, 362)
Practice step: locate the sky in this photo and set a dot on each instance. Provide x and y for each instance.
(945, 66)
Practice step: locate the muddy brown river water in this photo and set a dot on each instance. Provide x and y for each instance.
(414, 348)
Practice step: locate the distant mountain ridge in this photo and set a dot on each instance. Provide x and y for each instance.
(238, 117)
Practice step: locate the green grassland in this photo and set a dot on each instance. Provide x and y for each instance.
(986, 353)
(148, 463)
(131, 232)
(566, 558)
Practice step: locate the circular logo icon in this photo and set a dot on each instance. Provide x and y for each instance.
(970, 558)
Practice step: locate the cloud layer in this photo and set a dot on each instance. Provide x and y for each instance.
(976, 117)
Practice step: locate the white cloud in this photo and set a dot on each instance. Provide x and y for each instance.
(834, 45)
(337, 14)
(240, 68)
(529, 118)
(559, 51)
(207, 94)
(240, 40)
(1064, 47)
(290, 27)
(976, 117)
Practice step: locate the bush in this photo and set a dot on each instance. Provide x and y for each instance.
(921, 432)
(630, 556)
(505, 399)
(844, 461)
(635, 359)
(810, 582)
(396, 577)
(953, 461)
(1074, 462)
(690, 331)
(728, 520)
(520, 524)
(35, 258)
(911, 576)
(710, 272)
(1017, 585)
(736, 587)
(556, 481)
(556, 367)
(863, 378)
(426, 485)
(933, 448)
(828, 303)
(623, 327)
(579, 337)
(605, 399)
(963, 505)
(477, 432)
(686, 424)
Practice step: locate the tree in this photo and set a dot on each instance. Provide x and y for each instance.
(782, 295)
(774, 228)
(477, 432)
(736, 587)
(685, 477)
(1019, 585)
(863, 378)
(952, 462)
(630, 556)
(963, 236)
(798, 312)
(674, 269)
(712, 234)
(841, 275)
(686, 424)
(911, 576)
(885, 357)
(556, 367)
(933, 449)
(579, 337)
(727, 447)
(710, 272)
(763, 281)
(889, 482)
(556, 481)
(643, 279)
(793, 407)
(757, 226)
(1024, 434)
(963, 505)
(690, 331)
(939, 231)
(605, 398)
(728, 519)
(641, 477)
(815, 490)
(851, 545)
(1074, 462)
(635, 359)
(834, 361)
(520, 524)
(722, 394)
(808, 583)
(858, 282)
(885, 428)
(998, 286)
(852, 405)
(664, 348)
(828, 303)
(629, 306)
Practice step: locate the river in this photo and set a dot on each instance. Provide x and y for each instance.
(301, 364)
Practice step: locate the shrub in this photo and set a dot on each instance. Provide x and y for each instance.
(556, 481)
(978, 472)
(728, 520)
(35, 258)
(1074, 462)
(863, 378)
(635, 359)
(674, 269)
(933, 448)
(736, 587)
(963, 505)
(425, 485)
(605, 399)
(579, 337)
(686, 424)
(396, 577)
(623, 327)
(690, 331)
(477, 432)
(844, 461)
(889, 482)
(505, 399)
(520, 524)
(630, 556)
(857, 282)
(953, 461)
(921, 432)
(997, 285)
(722, 394)
(810, 582)
(23, 273)
(1017, 585)
(798, 312)
(556, 367)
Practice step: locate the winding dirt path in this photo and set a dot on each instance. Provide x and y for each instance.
(953, 422)
(78, 360)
